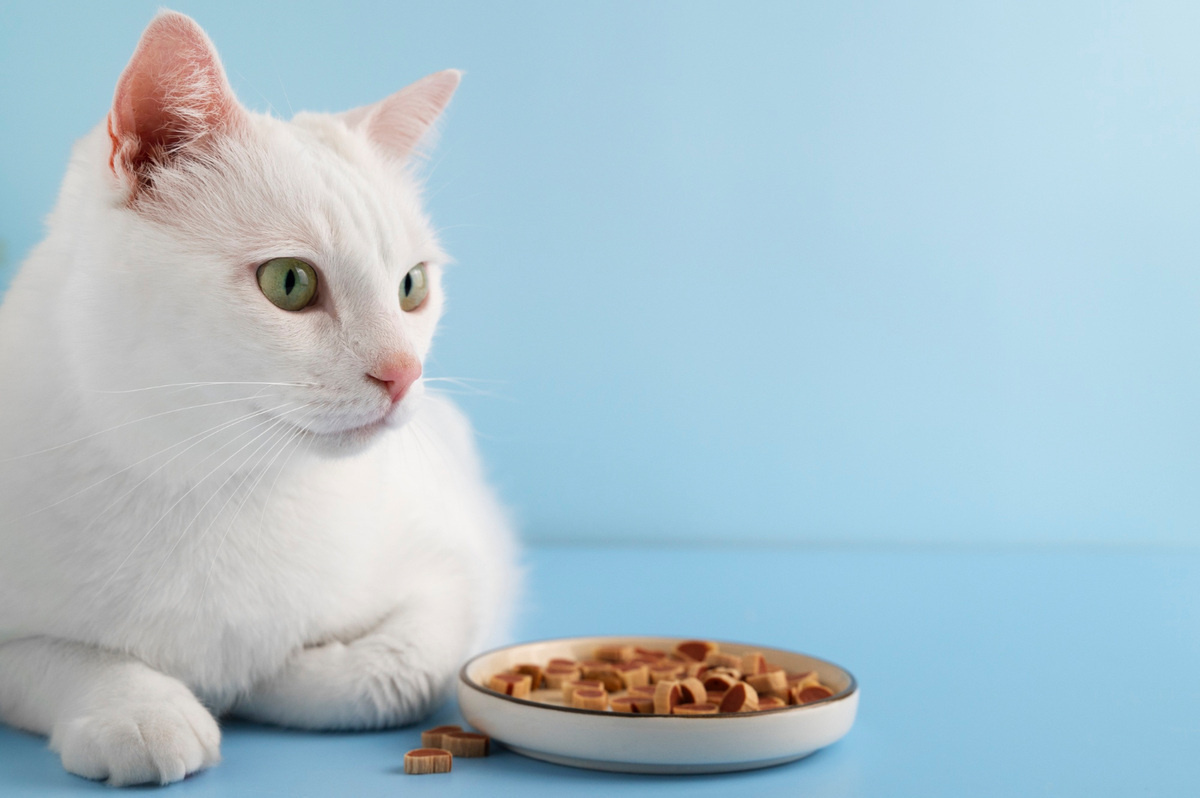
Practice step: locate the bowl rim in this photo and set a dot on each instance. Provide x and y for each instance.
(841, 695)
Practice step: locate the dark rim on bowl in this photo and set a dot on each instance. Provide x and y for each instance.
(838, 696)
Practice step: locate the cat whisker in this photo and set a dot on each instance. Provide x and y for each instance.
(461, 380)
(278, 77)
(269, 423)
(126, 424)
(274, 431)
(279, 439)
(468, 389)
(205, 433)
(260, 94)
(278, 431)
(205, 384)
(427, 443)
(297, 433)
(234, 439)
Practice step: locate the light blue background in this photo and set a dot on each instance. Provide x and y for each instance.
(842, 272)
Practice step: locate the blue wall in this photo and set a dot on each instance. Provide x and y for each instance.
(847, 272)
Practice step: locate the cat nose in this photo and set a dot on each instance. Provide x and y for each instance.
(396, 374)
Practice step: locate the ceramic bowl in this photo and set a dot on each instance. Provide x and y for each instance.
(630, 743)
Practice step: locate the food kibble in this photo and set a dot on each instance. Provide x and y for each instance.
(695, 650)
(664, 671)
(558, 674)
(719, 659)
(695, 678)
(433, 737)
(636, 704)
(516, 685)
(814, 692)
(718, 681)
(692, 691)
(766, 702)
(569, 688)
(772, 683)
(753, 663)
(440, 745)
(534, 672)
(467, 744)
(632, 674)
(421, 761)
(739, 698)
(666, 696)
(803, 679)
(603, 672)
(614, 653)
(589, 698)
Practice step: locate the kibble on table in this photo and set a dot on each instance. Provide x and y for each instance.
(433, 737)
(440, 745)
(466, 744)
(422, 761)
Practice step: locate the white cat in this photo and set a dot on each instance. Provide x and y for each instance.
(223, 487)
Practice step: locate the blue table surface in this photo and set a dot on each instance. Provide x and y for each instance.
(1008, 673)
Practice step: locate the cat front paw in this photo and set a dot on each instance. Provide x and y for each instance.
(153, 742)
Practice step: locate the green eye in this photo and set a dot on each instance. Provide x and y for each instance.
(414, 288)
(288, 282)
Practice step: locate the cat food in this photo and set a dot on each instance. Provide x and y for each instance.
(632, 674)
(635, 704)
(754, 663)
(433, 737)
(441, 744)
(719, 682)
(665, 670)
(814, 692)
(695, 650)
(666, 696)
(555, 676)
(696, 678)
(770, 683)
(517, 685)
(568, 689)
(589, 698)
(717, 659)
(603, 672)
(534, 672)
(614, 653)
(739, 698)
(466, 744)
(803, 679)
(692, 691)
(421, 761)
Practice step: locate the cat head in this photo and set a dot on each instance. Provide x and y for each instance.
(235, 248)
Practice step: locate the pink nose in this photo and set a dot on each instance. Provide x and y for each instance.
(396, 375)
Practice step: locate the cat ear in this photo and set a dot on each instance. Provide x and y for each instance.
(398, 123)
(172, 95)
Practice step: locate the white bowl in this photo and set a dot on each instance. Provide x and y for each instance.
(630, 743)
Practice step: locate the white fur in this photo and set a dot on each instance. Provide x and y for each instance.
(189, 523)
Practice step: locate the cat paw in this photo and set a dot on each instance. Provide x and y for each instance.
(153, 742)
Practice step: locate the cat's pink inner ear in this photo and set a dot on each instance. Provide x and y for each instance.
(171, 96)
(399, 123)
